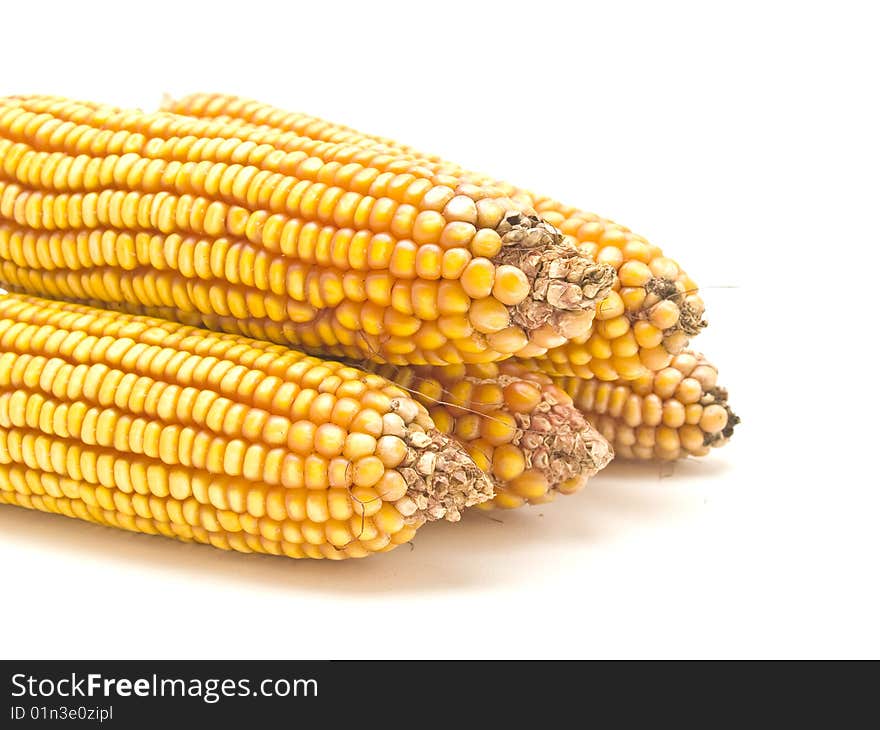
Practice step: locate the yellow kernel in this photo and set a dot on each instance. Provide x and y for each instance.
(655, 358)
(429, 336)
(628, 368)
(664, 314)
(625, 345)
(391, 450)
(467, 427)
(488, 315)
(457, 234)
(450, 298)
(427, 227)
(498, 428)
(403, 259)
(428, 261)
(381, 249)
(634, 273)
(367, 421)
(685, 363)
(610, 255)
(486, 243)
(691, 437)
(673, 414)
(714, 419)
(437, 197)
(461, 208)
(664, 268)
(647, 335)
(455, 326)
(481, 452)
(613, 328)
(329, 439)
(454, 263)
(392, 486)
(358, 445)
(521, 396)
(507, 500)
(365, 502)
(478, 278)
(368, 470)
(338, 533)
(689, 390)
(339, 472)
(531, 484)
(339, 503)
(316, 470)
(508, 462)
(489, 213)
(666, 381)
(301, 437)
(706, 375)
(388, 520)
(317, 509)
(511, 285)
(510, 340)
(633, 298)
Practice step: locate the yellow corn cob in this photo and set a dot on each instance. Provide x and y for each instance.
(516, 425)
(648, 317)
(167, 429)
(676, 412)
(335, 248)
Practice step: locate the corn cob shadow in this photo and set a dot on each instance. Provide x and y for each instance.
(483, 549)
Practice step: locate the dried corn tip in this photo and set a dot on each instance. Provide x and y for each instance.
(675, 412)
(168, 429)
(516, 425)
(273, 234)
(652, 287)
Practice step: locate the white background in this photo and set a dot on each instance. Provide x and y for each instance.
(741, 137)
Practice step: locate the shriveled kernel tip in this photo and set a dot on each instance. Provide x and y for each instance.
(420, 440)
(406, 506)
(393, 425)
(426, 463)
(406, 408)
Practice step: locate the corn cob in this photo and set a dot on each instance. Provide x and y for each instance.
(649, 316)
(517, 426)
(335, 248)
(167, 429)
(677, 412)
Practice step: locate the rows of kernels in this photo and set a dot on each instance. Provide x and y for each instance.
(636, 260)
(636, 329)
(228, 107)
(164, 211)
(669, 414)
(480, 406)
(223, 159)
(188, 520)
(262, 435)
(640, 266)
